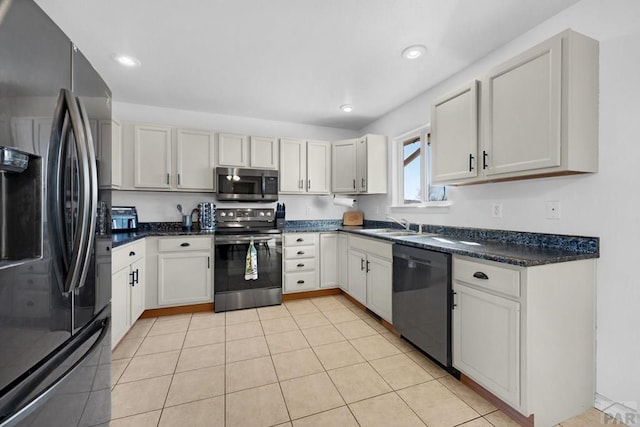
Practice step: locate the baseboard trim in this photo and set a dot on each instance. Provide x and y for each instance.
(618, 410)
(311, 294)
(182, 309)
(497, 402)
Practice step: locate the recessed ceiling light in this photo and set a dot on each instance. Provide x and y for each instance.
(347, 108)
(126, 60)
(414, 52)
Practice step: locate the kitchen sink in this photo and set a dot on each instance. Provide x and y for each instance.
(397, 233)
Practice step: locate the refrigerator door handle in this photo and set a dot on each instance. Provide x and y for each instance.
(21, 413)
(89, 222)
(67, 116)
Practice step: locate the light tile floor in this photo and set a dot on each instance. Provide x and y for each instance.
(311, 362)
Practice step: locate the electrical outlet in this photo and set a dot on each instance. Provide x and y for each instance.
(496, 210)
(553, 209)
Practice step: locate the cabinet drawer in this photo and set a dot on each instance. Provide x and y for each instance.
(300, 239)
(179, 244)
(297, 252)
(487, 275)
(303, 281)
(125, 255)
(303, 264)
(372, 246)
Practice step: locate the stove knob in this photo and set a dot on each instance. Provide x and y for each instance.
(223, 214)
(261, 213)
(230, 213)
(268, 213)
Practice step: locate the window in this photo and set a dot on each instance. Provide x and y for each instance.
(413, 170)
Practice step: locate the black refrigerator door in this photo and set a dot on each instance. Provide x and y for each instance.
(95, 104)
(35, 317)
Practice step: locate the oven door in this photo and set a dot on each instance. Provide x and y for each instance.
(231, 290)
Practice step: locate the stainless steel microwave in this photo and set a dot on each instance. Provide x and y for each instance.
(249, 185)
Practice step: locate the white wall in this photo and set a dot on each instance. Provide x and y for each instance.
(603, 204)
(159, 206)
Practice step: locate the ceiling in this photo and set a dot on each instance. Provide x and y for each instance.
(289, 60)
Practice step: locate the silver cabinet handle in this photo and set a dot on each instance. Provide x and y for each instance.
(361, 264)
(178, 179)
(354, 184)
(362, 182)
(168, 178)
(308, 184)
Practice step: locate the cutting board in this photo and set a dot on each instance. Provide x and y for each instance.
(353, 218)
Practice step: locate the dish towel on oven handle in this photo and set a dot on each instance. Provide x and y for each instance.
(251, 263)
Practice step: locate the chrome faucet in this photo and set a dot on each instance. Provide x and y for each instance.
(403, 222)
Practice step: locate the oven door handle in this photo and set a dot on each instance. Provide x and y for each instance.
(236, 240)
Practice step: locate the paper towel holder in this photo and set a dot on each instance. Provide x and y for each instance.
(344, 201)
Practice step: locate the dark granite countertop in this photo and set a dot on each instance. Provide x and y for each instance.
(511, 247)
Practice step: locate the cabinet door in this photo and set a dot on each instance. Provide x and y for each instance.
(486, 341)
(343, 161)
(152, 156)
(454, 135)
(120, 313)
(358, 275)
(379, 277)
(264, 152)
(328, 260)
(361, 165)
(104, 159)
(195, 160)
(233, 150)
(116, 154)
(137, 289)
(318, 167)
(343, 262)
(522, 109)
(184, 278)
(292, 165)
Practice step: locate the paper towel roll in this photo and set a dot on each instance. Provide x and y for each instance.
(344, 201)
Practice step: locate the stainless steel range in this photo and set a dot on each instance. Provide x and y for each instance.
(235, 230)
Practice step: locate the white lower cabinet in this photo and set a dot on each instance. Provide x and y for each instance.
(343, 261)
(184, 270)
(520, 332)
(328, 260)
(300, 260)
(371, 274)
(487, 340)
(127, 288)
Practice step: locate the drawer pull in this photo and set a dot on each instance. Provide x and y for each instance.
(300, 265)
(299, 239)
(480, 275)
(132, 253)
(300, 252)
(185, 244)
(300, 282)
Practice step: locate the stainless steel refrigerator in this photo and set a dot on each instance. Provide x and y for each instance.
(55, 263)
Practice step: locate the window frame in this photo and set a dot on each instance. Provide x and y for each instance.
(398, 170)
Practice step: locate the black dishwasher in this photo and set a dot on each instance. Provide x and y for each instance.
(422, 299)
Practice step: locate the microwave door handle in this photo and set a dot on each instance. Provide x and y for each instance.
(92, 183)
(264, 185)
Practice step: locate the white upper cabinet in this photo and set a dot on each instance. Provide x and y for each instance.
(293, 165)
(233, 150)
(343, 169)
(116, 154)
(318, 167)
(523, 111)
(152, 156)
(359, 166)
(195, 160)
(304, 166)
(264, 152)
(538, 116)
(454, 135)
